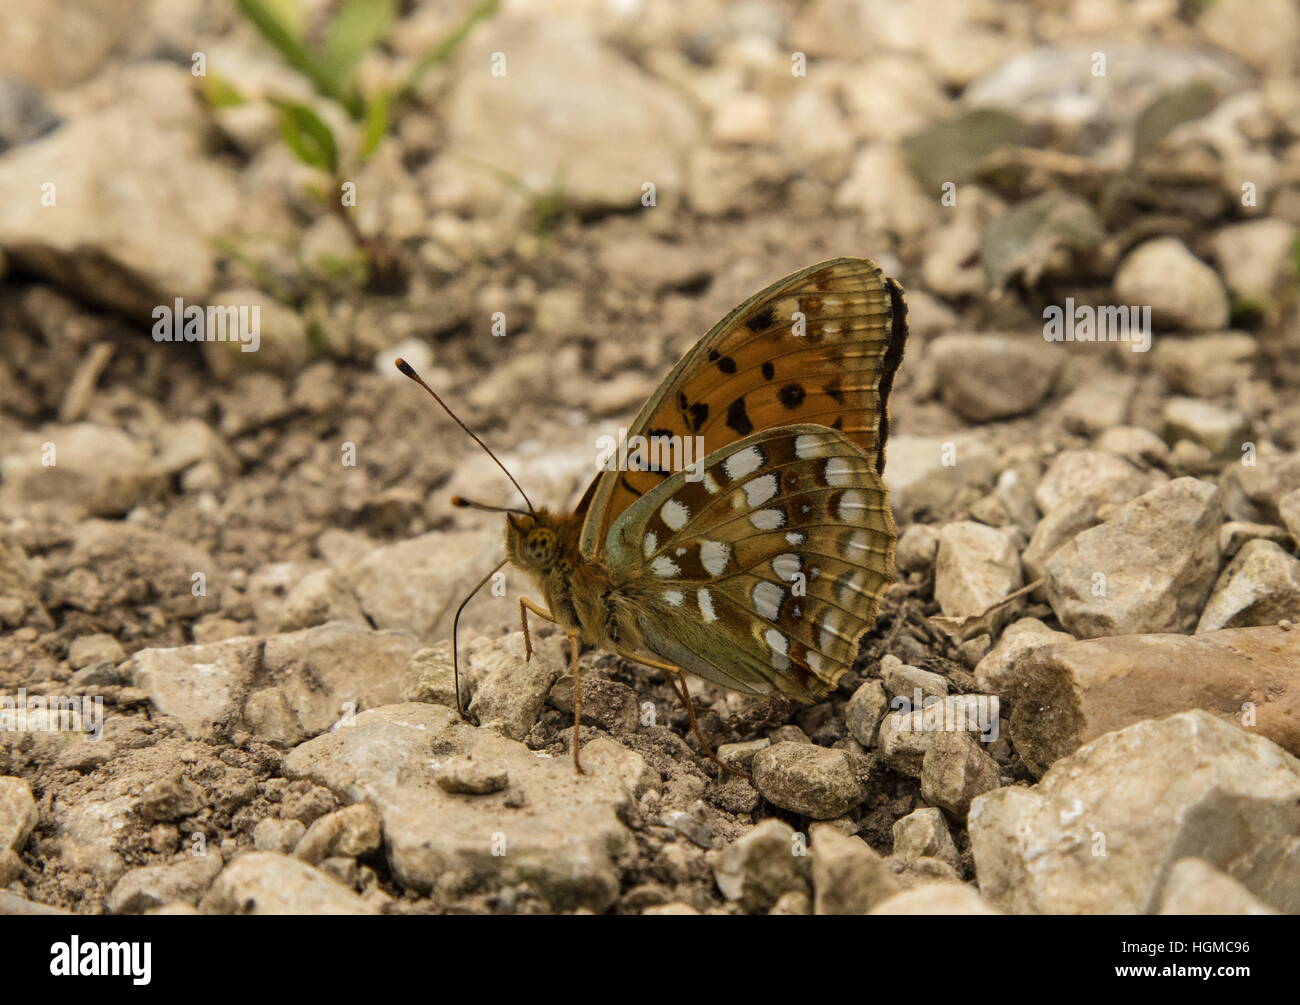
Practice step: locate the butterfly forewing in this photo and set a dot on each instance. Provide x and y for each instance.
(764, 573)
(820, 346)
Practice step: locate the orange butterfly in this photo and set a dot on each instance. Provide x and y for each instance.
(762, 570)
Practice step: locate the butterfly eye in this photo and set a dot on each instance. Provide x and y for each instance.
(539, 547)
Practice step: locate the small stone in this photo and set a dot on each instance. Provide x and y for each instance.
(1288, 507)
(564, 831)
(946, 898)
(609, 704)
(917, 547)
(18, 815)
(741, 755)
(998, 672)
(268, 714)
(986, 377)
(346, 833)
(1196, 887)
(1182, 291)
(923, 833)
(1148, 569)
(906, 736)
(1134, 444)
(153, 886)
(1206, 366)
(1069, 695)
(1260, 586)
(1253, 255)
(901, 679)
(863, 712)
(263, 882)
(761, 865)
(431, 677)
(1098, 405)
(514, 690)
(274, 834)
(1255, 491)
(1221, 431)
(954, 771)
(91, 649)
(792, 904)
(977, 566)
(815, 781)
(319, 597)
(926, 472)
(849, 877)
(1234, 535)
(81, 470)
(172, 798)
(1148, 790)
(465, 776)
(675, 908)
(201, 686)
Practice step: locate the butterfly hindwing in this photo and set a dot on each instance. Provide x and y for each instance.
(763, 573)
(820, 346)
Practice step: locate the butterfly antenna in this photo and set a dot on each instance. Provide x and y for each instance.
(455, 634)
(409, 371)
(460, 502)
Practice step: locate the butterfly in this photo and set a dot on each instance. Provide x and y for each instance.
(761, 568)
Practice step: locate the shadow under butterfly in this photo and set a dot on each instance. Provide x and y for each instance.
(762, 571)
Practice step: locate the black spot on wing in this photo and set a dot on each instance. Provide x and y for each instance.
(699, 414)
(791, 396)
(762, 321)
(738, 418)
(725, 363)
(769, 371)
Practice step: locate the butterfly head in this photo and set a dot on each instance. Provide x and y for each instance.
(531, 541)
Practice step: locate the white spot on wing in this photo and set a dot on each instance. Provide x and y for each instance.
(710, 486)
(807, 445)
(778, 642)
(760, 490)
(767, 599)
(852, 507)
(650, 544)
(839, 472)
(785, 566)
(706, 605)
(665, 567)
(673, 598)
(674, 514)
(767, 519)
(742, 463)
(795, 538)
(713, 556)
(830, 630)
(851, 588)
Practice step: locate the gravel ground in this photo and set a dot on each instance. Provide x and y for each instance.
(232, 574)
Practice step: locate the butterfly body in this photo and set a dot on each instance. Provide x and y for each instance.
(761, 569)
(580, 594)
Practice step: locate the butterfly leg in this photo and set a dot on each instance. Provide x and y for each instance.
(677, 680)
(526, 605)
(575, 646)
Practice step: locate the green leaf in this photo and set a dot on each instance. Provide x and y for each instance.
(441, 52)
(1021, 242)
(271, 21)
(359, 26)
(952, 150)
(377, 111)
(308, 136)
(219, 92)
(1169, 111)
